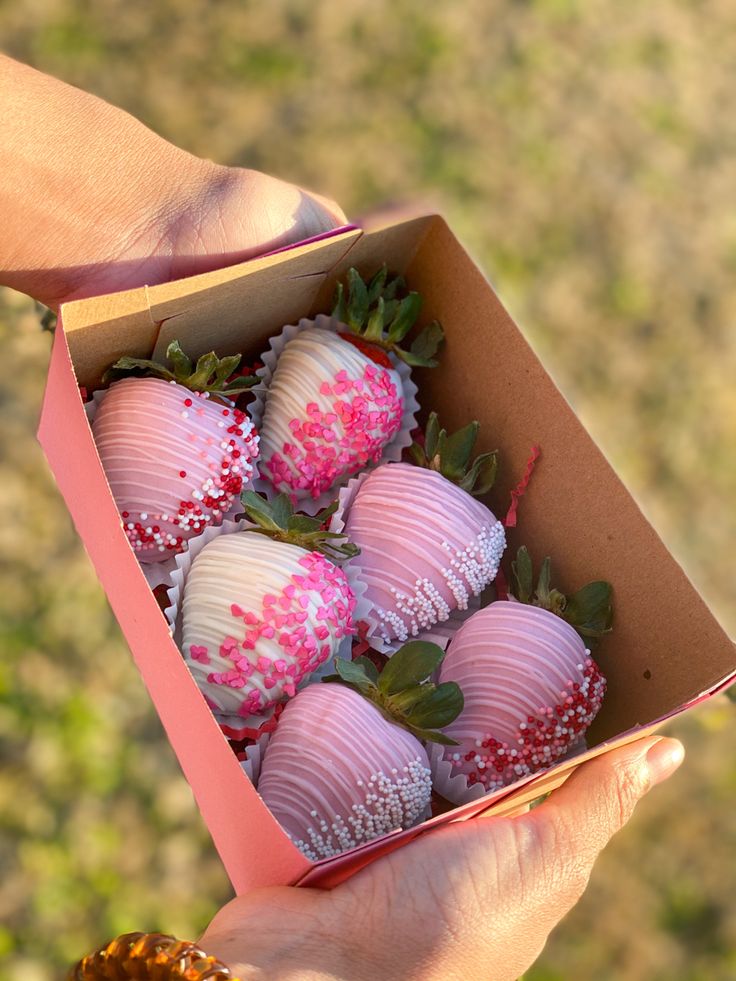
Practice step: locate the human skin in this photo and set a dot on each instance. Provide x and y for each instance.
(94, 202)
(474, 901)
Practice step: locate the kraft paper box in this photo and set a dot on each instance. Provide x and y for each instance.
(667, 652)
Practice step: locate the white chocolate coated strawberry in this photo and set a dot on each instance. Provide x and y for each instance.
(426, 547)
(336, 774)
(531, 690)
(330, 411)
(175, 461)
(259, 616)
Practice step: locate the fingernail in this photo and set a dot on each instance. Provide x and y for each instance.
(664, 758)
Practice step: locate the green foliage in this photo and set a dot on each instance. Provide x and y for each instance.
(277, 520)
(382, 311)
(403, 693)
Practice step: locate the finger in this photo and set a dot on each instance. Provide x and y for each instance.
(570, 829)
(329, 207)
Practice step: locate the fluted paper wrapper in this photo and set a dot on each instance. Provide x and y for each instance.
(161, 573)
(393, 451)
(449, 783)
(251, 759)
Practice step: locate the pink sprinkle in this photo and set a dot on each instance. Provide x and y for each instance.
(199, 653)
(263, 664)
(236, 610)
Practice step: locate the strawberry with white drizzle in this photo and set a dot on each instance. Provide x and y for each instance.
(531, 687)
(345, 764)
(176, 451)
(335, 400)
(426, 545)
(265, 607)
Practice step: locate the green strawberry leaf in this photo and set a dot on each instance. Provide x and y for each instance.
(590, 609)
(426, 345)
(358, 304)
(482, 475)
(377, 285)
(259, 510)
(543, 583)
(240, 384)
(182, 364)
(281, 510)
(405, 318)
(368, 667)
(439, 706)
(431, 736)
(225, 367)
(432, 436)
(340, 309)
(353, 673)
(409, 666)
(523, 573)
(374, 329)
(456, 450)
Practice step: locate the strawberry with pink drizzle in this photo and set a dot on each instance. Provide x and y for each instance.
(176, 451)
(335, 399)
(264, 608)
(426, 545)
(531, 687)
(346, 764)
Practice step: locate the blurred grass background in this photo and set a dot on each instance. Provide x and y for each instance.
(586, 152)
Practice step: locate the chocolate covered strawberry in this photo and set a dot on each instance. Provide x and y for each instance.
(175, 450)
(530, 683)
(346, 764)
(264, 608)
(426, 545)
(335, 399)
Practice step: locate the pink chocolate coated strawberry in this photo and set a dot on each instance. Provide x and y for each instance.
(335, 400)
(345, 764)
(264, 608)
(531, 687)
(426, 545)
(176, 455)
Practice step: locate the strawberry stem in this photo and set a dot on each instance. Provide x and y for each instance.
(403, 693)
(210, 374)
(589, 610)
(277, 520)
(382, 311)
(451, 456)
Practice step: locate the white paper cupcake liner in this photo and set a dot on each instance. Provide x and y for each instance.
(251, 759)
(440, 633)
(160, 573)
(449, 783)
(393, 451)
(183, 563)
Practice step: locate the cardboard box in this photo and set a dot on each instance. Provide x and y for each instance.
(667, 651)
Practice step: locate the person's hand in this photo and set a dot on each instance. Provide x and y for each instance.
(94, 202)
(473, 900)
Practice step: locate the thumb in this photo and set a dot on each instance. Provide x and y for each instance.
(572, 827)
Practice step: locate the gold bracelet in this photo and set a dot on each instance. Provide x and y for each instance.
(149, 957)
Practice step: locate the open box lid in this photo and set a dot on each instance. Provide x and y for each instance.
(667, 650)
